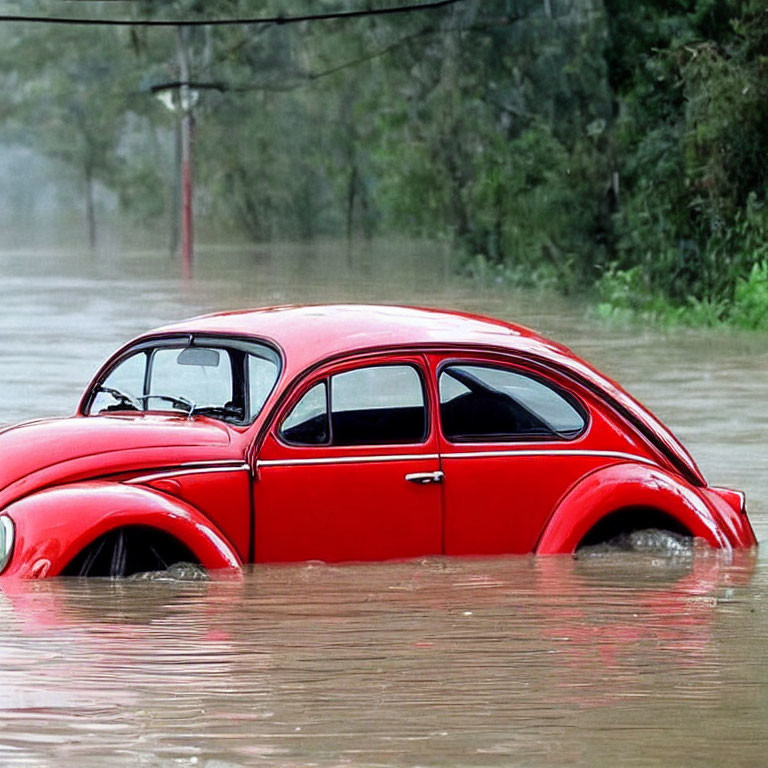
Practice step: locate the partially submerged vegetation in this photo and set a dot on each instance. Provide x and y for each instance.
(618, 147)
(691, 134)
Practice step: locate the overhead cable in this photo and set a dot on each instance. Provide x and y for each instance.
(258, 20)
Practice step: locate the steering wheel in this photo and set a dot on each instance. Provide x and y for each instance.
(123, 398)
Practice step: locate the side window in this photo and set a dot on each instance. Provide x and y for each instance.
(368, 406)
(379, 404)
(479, 402)
(307, 423)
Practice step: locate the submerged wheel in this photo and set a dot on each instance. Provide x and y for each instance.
(638, 529)
(127, 551)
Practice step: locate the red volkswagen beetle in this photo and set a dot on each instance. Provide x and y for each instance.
(343, 433)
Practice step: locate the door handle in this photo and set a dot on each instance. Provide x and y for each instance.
(423, 478)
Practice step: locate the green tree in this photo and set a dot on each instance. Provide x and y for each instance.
(72, 94)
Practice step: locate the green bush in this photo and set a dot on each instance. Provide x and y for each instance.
(750, 306)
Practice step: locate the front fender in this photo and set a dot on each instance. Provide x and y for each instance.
(627, 485)
(54, 525)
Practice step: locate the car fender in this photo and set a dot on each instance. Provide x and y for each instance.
(55, 524)
(618, 487)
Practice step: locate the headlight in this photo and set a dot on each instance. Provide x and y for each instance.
(7, 535)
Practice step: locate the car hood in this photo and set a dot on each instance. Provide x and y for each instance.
(59, 448)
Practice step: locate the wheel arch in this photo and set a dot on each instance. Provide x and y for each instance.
(628, 488)
(628, 519)
(54, 525)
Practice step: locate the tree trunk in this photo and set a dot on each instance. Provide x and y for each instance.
(351, 194)
(90, 208)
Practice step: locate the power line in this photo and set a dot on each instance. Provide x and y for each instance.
(280, 19)
(305, 78)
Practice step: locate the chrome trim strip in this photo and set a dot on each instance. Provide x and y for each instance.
(212, 463)
(457, 455)
(239, 467)
(345, 460)
(550, 452)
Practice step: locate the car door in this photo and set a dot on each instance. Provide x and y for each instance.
(512, 441)
(349, 469)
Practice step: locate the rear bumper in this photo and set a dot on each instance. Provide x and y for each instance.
(730, 508)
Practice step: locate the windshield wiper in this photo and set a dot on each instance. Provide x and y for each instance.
(177, 401)
(138, 403)
(224, 411)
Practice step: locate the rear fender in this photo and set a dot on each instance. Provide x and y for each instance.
(54, 525)
(621, 486)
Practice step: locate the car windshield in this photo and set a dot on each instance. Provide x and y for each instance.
(227, 380)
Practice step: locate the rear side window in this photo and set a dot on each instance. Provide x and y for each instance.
(486, 403)
(367, 406)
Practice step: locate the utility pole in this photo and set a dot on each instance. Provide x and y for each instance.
(180, 97)
(187, 129)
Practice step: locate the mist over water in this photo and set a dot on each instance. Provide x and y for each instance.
(621, 658)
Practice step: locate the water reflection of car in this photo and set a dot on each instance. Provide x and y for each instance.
(344, 433)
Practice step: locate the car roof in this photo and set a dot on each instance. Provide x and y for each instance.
(308, 334)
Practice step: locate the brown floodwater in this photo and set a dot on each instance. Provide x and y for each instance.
(621, 659)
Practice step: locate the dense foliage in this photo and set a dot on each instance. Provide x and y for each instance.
(691, 137)
(613, 145)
